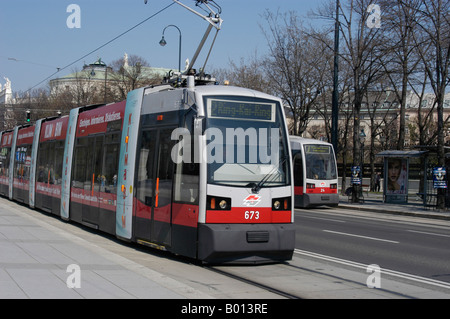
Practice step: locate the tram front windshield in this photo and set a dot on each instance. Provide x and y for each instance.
(246, 143)
(320, 162)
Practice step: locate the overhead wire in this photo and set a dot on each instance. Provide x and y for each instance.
(101, 46)
(29, 62)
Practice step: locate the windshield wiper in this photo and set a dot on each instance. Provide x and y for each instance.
(257, 187)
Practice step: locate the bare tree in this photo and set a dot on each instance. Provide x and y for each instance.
(248, 73)
(360, 53)
(399, 51)
(435, 26)
(293, 67)
(128, 74)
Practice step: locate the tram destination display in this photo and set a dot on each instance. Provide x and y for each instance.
(239, 110)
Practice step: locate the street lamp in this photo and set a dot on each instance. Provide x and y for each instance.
(362, 139)
(335, 98)
(163, 42)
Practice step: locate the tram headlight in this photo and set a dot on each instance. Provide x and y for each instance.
(223, 204)
(283, 203)
(276, 205)
(218, 203)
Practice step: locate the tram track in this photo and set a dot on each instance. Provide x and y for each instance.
(314, 276)
(252, 282)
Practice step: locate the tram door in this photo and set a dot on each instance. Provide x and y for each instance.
(154, 187)
(91, 201)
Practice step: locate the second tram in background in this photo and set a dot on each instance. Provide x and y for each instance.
(315, 173)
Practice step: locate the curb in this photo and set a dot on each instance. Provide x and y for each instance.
(392, 211)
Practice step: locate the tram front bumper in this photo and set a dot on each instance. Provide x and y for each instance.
(245, 243)
(318, 200)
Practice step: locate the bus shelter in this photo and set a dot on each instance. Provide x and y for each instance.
(396, 172)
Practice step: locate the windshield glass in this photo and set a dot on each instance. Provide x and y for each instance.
(246, 142)
(320, 162)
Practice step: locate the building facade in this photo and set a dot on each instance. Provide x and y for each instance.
(6, 92)
(380, 114)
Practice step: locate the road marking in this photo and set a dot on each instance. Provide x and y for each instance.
(359, 236)
(393, 273)
(323, 218)
(434, 234)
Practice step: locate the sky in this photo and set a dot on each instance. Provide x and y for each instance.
(39, 36)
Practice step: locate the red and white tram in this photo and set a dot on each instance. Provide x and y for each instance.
(315, 172)
(201, 171)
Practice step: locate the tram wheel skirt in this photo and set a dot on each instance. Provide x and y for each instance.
(245, 243)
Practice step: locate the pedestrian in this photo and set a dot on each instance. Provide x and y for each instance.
(377, 182)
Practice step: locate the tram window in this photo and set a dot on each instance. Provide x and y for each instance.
(50, 177)
(98, 163)
(165, 162)
(49, 162)
(186, 183)
(80, 159)
(22, 162)
(321, 166)
(42, 162)
(59, 156)
(110, 168)
(112, 138)
(186, 180)
(87, 176)
(114, 126)
(165, 168)
(45, 163)
(145, 170)
(4, 161)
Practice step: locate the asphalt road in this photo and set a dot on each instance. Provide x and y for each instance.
(415, 246)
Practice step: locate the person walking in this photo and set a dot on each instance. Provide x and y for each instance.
(378, 182)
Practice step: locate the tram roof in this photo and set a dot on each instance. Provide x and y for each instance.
(231, 90)
(295, 138)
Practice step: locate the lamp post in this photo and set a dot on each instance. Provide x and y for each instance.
(362, 139)
(335, 99)
(163, 43)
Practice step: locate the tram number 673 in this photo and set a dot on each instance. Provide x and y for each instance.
(251, 214)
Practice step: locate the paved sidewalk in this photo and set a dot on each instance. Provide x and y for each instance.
(374, 202)
(39, 261)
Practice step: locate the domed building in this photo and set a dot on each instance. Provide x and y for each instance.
(99, 83)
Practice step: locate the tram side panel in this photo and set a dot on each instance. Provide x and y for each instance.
(66, 178)
(22, 164)
(93, 183)
(126, 170)
(164, 204)
(186, 195)
(5, 157)
(32, 178)
(49, 165)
